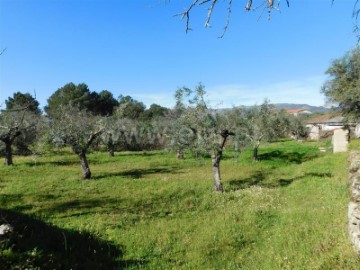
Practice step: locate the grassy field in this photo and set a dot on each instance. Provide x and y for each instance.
(149, 210)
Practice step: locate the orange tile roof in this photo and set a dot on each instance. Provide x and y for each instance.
(319, 118)
(295, 110)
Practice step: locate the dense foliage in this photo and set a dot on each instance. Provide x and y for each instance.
(23, 101)
(80, 96)
(343, 86)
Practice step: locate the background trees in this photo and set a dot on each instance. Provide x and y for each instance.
(103, 103)
(257, 124)
(129, 108)
(343, 86)
(81, 97)
(22, 101)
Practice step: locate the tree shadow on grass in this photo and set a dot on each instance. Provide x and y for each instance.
(260, 179)
(288, 157)
(37, 245)
(129, 211)
(137, 173)
(52, 163)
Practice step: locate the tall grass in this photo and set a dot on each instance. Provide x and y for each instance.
(287, 211)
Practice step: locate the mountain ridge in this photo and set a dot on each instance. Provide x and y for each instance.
(292, 106)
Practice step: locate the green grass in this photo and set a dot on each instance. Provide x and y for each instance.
(152, 211)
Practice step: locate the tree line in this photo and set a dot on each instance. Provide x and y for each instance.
(83, 120)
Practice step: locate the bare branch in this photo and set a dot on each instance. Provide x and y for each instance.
(207, 22)
(248, 5)
(3, 51)
(186, 14)
(268, 5)
(204, 2)
(92, 137)
(228, 18)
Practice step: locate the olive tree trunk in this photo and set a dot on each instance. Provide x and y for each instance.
(180, 154)
(8, 139)
(111, 152)
(256, 152)
(85, 166)
(216, 156)
(111, 146)
(8, 154)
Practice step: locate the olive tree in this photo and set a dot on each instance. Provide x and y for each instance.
(76, 128)
(259, 123)
(343, 84)
(19, 119)
(132, 134)
(200, 129)
(14, 124)
(297, 127)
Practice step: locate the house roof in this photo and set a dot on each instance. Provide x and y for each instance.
(328, 119)
(295, 110)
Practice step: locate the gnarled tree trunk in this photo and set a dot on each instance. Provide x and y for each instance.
(180, 154)
(8, 154)
(216, 156)
(256, 152)
(111, 152)
(8, 138)
(111, 146)
(81, 152)
(85, 166)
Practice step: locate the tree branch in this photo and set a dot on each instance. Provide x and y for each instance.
(228, 18)
(92, 137)
(207, 22)
(186, 13)
(267, 4)
(3, 50)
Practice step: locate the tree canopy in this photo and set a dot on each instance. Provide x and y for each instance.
(343, 86)
(81, 97)
(23, 101)
(78, 129)
(129, 107)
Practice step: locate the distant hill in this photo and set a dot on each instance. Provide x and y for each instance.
(291, 106)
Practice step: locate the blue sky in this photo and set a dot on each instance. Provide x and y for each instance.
(138, 48)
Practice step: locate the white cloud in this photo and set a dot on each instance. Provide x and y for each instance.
(295, 91)
(300, 91)
(166, 100)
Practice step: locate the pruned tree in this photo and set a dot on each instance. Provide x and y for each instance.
(202, 128)
(78, 129)
(343, 85)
